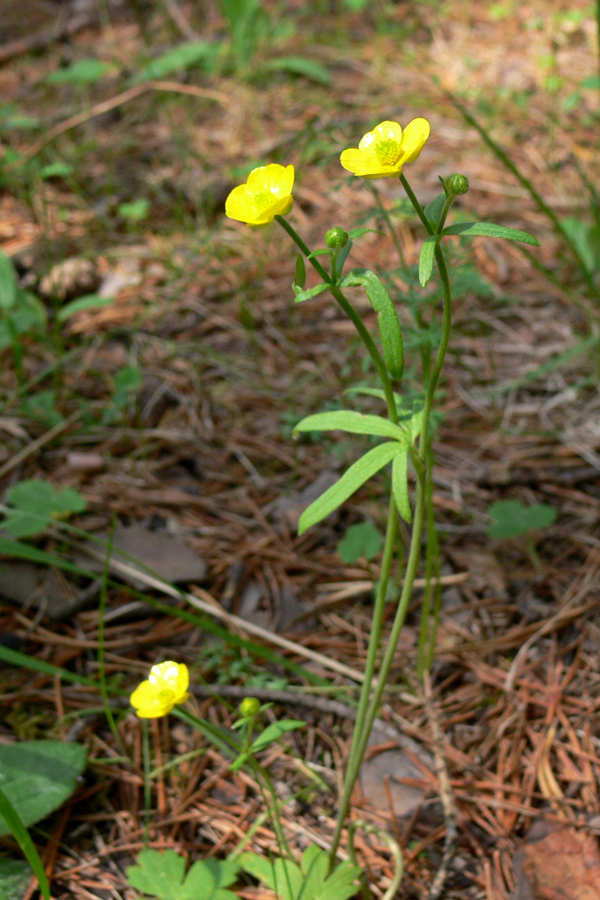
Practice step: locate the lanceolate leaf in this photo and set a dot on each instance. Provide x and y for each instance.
(426, 258)
(433, 210)
(353, 422)
(311, 292)
(350, 481)
(400, 484)
(387, 318)
(300, 279)
(488, 229)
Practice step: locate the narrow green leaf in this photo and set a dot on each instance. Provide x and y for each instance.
(274, 731)
(426, 259)
(387, 318)
(182, 57)
(90, 301)
(21, 835)
(350, 482)
(352, 422)
(358, 232)
(433, 210)
(301, 296)
(488, 229)
(8, 283)
(84, 71)
(400, 484)
(300, 65)
(342, 257)
(300, 276)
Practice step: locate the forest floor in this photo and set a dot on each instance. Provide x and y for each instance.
(171, 409)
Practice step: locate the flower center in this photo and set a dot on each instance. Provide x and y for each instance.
(264, 199)
(388, 152)
(165, 695)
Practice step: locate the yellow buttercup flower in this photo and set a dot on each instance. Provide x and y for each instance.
(167, 685)
(266, 194)
(383, 151)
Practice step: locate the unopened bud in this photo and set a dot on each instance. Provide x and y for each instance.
(456, 184)
(336, 238)
(249, 706)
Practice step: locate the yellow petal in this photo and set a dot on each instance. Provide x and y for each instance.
(385, 131)
(147, 702)
(414, 139)
(240, 204)
(277, 180)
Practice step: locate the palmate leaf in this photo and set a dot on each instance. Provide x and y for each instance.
(162, 874)
(352, 422)
(387, 317)
(308, 881)
(350, 481)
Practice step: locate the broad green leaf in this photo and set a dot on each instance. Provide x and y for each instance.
(511, 518)
(55, 170)
(27, 314)
(352, 422)
(387, 317)
(35, 503)
(38, 776)
(300, 277)
(136, 211)
(182, 57)
(488, 229)
(15, 875)
(301, 296)
(363, 469)
(426, 258)
(274, 731)
(300, 65)
(433, 210)
(8, 283)
(90, 301)
(84, 71)
(162, 874)
(362, 539)
(400, 484)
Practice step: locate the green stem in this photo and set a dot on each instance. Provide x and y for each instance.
(347, 307)
(361, 739)
(422, 461)
(355, 754)
(416, 205)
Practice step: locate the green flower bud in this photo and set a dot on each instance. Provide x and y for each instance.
(336, 238)
(456, 184)
(249, 706)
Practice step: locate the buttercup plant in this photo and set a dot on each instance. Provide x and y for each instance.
(407, 428)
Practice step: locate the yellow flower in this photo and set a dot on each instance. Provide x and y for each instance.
(266, 194)
(383, 151)
(167, 685)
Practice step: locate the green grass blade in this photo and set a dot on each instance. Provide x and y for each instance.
(21, 835)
